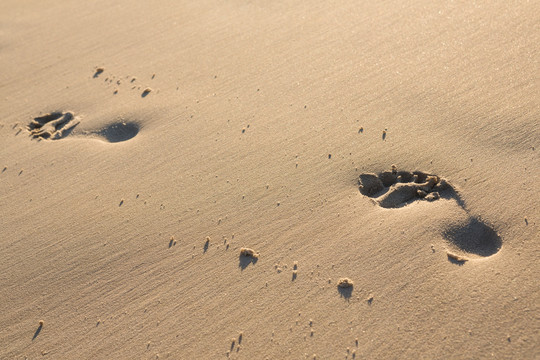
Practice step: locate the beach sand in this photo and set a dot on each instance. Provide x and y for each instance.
(192, 180)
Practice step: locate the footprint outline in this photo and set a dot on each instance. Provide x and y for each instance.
(473, 238)
(58, 125)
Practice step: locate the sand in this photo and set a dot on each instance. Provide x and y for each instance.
(144, 144)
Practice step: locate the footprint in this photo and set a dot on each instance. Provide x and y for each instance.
(52, 126)
(58, 125)
(394, 189)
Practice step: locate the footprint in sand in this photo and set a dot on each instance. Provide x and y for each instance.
(58, 125)
(397, 189)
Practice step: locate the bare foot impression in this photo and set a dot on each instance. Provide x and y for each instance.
(397, 189)
(58, 125)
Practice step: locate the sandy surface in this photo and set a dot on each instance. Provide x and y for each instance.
(123, 212)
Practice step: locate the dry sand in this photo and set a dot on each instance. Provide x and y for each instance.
(144, 144)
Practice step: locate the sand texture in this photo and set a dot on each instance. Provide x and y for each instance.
(269, 179)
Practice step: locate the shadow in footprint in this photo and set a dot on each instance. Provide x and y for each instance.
(397, 189)
(474, 237)
(118, 132)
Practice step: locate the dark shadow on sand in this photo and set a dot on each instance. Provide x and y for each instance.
(37, 332)
(474, 237)
(345, 292)
(244, 261)
(119, 132)
(455, 261)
